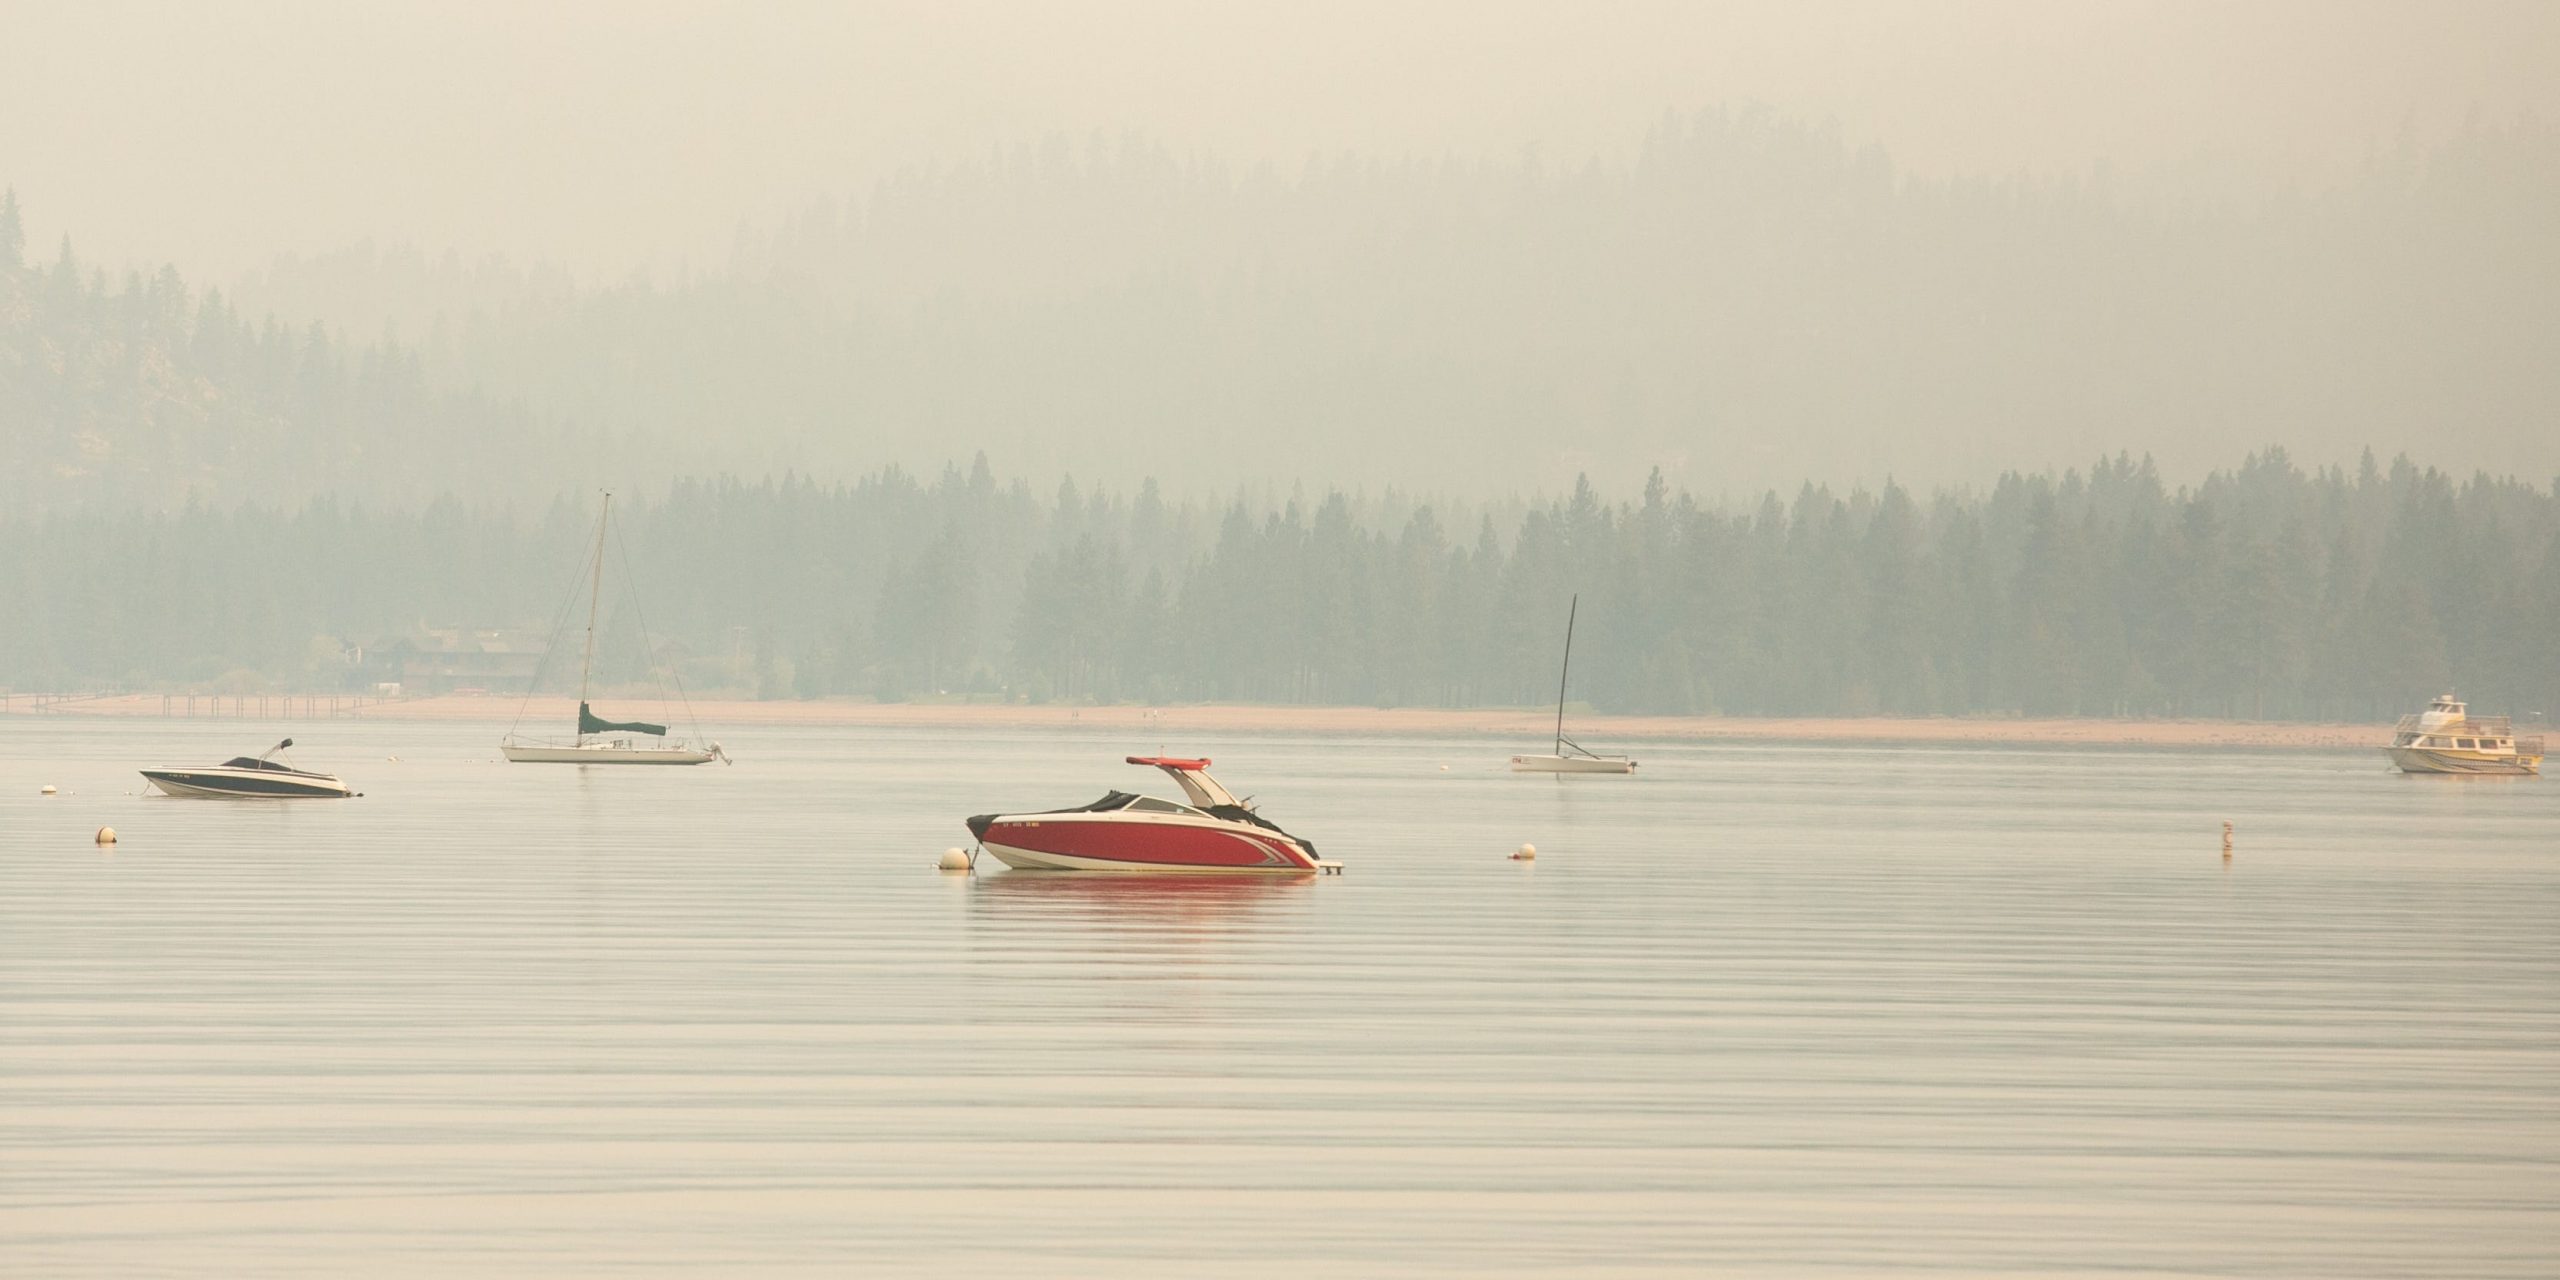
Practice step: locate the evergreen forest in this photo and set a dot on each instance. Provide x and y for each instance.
(248, 488)
(2266, 591)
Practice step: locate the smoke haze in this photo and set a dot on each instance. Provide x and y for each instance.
(613, 137)
(1464, 250)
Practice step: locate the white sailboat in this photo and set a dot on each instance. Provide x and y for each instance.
(1570, 756)
(598, 740)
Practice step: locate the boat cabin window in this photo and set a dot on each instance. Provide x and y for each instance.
(2467, 744)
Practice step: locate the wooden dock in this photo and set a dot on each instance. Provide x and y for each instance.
(186, 706)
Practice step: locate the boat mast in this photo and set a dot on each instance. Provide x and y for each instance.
(1567, 673)
(595, 593)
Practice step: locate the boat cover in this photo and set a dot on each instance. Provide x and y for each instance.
(588, 723)
(1238, 813)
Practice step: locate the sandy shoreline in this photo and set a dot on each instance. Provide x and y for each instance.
(1527, 727)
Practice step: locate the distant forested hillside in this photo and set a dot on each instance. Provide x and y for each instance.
(2264, 592)
(1746, 302)
(136, 391)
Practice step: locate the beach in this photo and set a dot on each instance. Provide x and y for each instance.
(1165, 725)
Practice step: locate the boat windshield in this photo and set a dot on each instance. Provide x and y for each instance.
(1123, 801)
(244, 762)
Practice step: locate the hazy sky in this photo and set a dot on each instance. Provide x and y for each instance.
(645, 131)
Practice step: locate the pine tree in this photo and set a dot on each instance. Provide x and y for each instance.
(13, 235)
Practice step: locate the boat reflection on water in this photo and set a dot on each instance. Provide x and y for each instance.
(1158, 899)
(1148, 950)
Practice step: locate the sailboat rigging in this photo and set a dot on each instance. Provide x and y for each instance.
(597, 741)
(1570, 756)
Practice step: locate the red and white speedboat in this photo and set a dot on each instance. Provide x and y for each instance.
(1123, 832)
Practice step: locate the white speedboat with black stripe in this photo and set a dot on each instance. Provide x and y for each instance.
(250, 778)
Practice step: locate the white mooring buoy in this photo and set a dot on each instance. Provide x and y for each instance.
(1527, 853)
(106, 835)
(953, 860)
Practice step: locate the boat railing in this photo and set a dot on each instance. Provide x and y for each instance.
(2475, 727)
(2529, 746)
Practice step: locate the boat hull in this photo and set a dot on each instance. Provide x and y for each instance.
(224, 784)
(1572, 764)
(2480, 763)
(1065, 843)
(603, 753)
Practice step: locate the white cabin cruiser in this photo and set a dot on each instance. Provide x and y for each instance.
(249, 778)
(2445, 738)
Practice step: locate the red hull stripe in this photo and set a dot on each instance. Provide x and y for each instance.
(1147, 844)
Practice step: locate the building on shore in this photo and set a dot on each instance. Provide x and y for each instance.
(455, 660)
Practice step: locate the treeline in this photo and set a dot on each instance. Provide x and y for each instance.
(2263, 592)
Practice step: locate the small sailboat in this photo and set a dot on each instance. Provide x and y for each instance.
(1570, 756)
(602, 741)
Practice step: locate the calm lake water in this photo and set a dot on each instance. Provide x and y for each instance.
(1758, 1010)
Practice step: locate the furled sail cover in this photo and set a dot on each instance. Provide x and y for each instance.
(587, 723)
